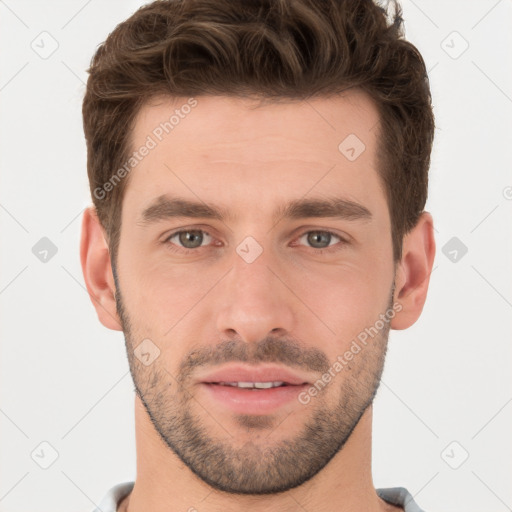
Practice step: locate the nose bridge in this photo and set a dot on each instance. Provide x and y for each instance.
(254, 300)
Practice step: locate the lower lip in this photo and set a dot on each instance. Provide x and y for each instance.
(249, 401)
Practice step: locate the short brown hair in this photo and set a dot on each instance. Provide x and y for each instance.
(274, 50)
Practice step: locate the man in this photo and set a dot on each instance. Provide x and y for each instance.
(259, 174)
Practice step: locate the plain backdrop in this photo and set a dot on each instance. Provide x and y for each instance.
(443, 413)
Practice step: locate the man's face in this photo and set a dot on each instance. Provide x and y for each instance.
(257, 289)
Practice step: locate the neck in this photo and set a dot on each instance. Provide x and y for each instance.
(164, 483)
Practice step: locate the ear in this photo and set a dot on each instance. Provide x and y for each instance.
(413, 272)
(97, 270)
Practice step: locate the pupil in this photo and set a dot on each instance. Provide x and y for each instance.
(313, 238)
(188, 236)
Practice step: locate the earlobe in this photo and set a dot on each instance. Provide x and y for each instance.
(413, 272)
(97, 270)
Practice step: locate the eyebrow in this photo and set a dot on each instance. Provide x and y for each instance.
(167, 207)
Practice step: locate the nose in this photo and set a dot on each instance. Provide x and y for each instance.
(255, 299)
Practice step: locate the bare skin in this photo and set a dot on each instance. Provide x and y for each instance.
(250, 161)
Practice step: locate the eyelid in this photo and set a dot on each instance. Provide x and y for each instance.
(308, 229)
(172, 233)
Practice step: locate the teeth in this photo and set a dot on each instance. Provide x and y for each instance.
(252, 385)
(265, 385)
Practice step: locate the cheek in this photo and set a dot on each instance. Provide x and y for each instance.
(161, 295)
(348, 297)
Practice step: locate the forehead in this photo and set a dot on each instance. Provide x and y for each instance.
(223, 147)
(216, 120)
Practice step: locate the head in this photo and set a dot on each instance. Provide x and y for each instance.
(259, 176)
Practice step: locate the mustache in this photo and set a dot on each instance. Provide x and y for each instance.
(270, 350)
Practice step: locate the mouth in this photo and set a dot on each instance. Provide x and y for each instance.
(253, 385)
(253, 390)
(255, 377)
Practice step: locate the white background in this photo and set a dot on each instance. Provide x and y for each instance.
(64, 377)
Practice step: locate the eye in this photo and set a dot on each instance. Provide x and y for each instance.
(188, 239)
(318, 239)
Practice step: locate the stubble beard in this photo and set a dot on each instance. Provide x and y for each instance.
(256, 468)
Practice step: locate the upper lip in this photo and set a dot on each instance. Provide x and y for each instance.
(244, 373)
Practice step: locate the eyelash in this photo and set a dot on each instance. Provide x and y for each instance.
(185, 251)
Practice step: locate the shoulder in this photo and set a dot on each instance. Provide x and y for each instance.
(114, 496)
(399, 496)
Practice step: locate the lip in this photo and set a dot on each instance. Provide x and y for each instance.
(253, 401)
(244, 373)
